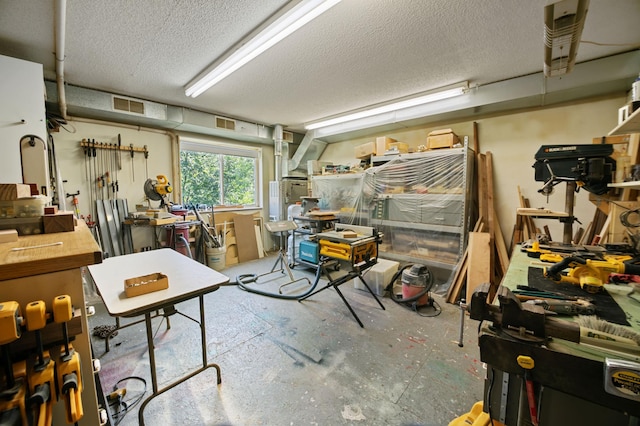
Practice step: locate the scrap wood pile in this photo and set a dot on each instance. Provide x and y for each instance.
(486, 258)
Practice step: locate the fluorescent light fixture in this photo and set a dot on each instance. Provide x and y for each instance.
(304, 12)
(563, 24)
(392, 107)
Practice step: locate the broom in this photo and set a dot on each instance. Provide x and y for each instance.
(596, 332)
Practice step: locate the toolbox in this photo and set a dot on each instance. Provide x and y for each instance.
(309, 251)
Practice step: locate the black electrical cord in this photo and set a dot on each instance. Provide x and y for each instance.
(121, 405)
(489, 389)
(635, 218)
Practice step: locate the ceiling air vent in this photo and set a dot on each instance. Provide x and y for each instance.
(287, 136)
(225, 123)
(128, 105)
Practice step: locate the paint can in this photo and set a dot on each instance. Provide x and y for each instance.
(216, 257)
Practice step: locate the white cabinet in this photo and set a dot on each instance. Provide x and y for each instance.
(22, 113)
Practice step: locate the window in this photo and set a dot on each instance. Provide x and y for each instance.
(220, 175)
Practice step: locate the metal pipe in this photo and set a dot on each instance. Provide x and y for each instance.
(277, 150)
(60, 24)
(567, 235)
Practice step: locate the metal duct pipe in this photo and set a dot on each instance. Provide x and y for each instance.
(277, 150)
(60, 24)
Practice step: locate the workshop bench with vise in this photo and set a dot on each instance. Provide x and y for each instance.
(548, 369)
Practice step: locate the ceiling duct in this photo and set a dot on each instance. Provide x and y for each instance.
(95, 104)
(309, 149)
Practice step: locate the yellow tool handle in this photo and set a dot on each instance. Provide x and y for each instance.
(36, 315)
(10, 322)
(62, 308)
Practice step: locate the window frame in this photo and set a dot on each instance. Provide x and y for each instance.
(222, 148)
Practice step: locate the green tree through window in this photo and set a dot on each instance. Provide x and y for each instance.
(219, 175)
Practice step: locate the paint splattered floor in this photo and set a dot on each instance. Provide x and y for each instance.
(286, 362)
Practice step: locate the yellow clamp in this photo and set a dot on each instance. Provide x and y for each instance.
(62, 309)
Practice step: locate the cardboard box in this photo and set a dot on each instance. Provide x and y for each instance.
(145, 284)
(383, 143)
(378, 277)
(13, 191)
(444, 138)
(59, 222)
(365, 150)
(399, 147)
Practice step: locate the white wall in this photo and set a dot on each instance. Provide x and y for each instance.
(74, 165)
(513, 140)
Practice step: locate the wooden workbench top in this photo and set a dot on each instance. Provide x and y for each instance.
(41, 254)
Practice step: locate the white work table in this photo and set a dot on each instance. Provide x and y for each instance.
(188, 279)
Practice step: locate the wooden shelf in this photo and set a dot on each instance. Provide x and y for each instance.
(630, 125)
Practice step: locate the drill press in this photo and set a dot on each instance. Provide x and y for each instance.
(579, 166)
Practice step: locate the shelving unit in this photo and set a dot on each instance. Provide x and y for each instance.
(630, 125)
(421, 203)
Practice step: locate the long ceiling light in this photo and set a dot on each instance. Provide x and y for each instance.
(563, 24)
(392, 107)
(304, 12)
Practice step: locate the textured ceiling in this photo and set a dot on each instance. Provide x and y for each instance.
(359, 53)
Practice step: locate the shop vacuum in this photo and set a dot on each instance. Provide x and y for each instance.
(416, 281)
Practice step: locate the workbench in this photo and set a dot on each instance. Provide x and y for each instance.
(569, 377)
(46, 266)
(187, 279)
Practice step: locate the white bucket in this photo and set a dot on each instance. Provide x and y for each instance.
(216, 257)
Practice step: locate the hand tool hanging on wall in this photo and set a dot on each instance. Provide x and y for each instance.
(41, 375)
(69, 377)
(119, 152)
(116, 163)
(14, 390)
(133, 176)
(91, 178)
(108, 169)
(146, 162)
(75, 202)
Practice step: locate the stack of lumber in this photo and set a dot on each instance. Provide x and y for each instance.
(242, 235)
(486, 258)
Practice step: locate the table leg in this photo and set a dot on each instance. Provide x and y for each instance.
(203, 333)
(152, 361)
(348, 306)
(370, 291)
(152, 356)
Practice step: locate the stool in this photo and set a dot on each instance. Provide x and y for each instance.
(281, 228)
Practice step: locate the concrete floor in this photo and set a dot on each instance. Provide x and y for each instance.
(286, 362)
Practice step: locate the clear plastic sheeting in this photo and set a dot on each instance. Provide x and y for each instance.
(420, 202)
(337, 192)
